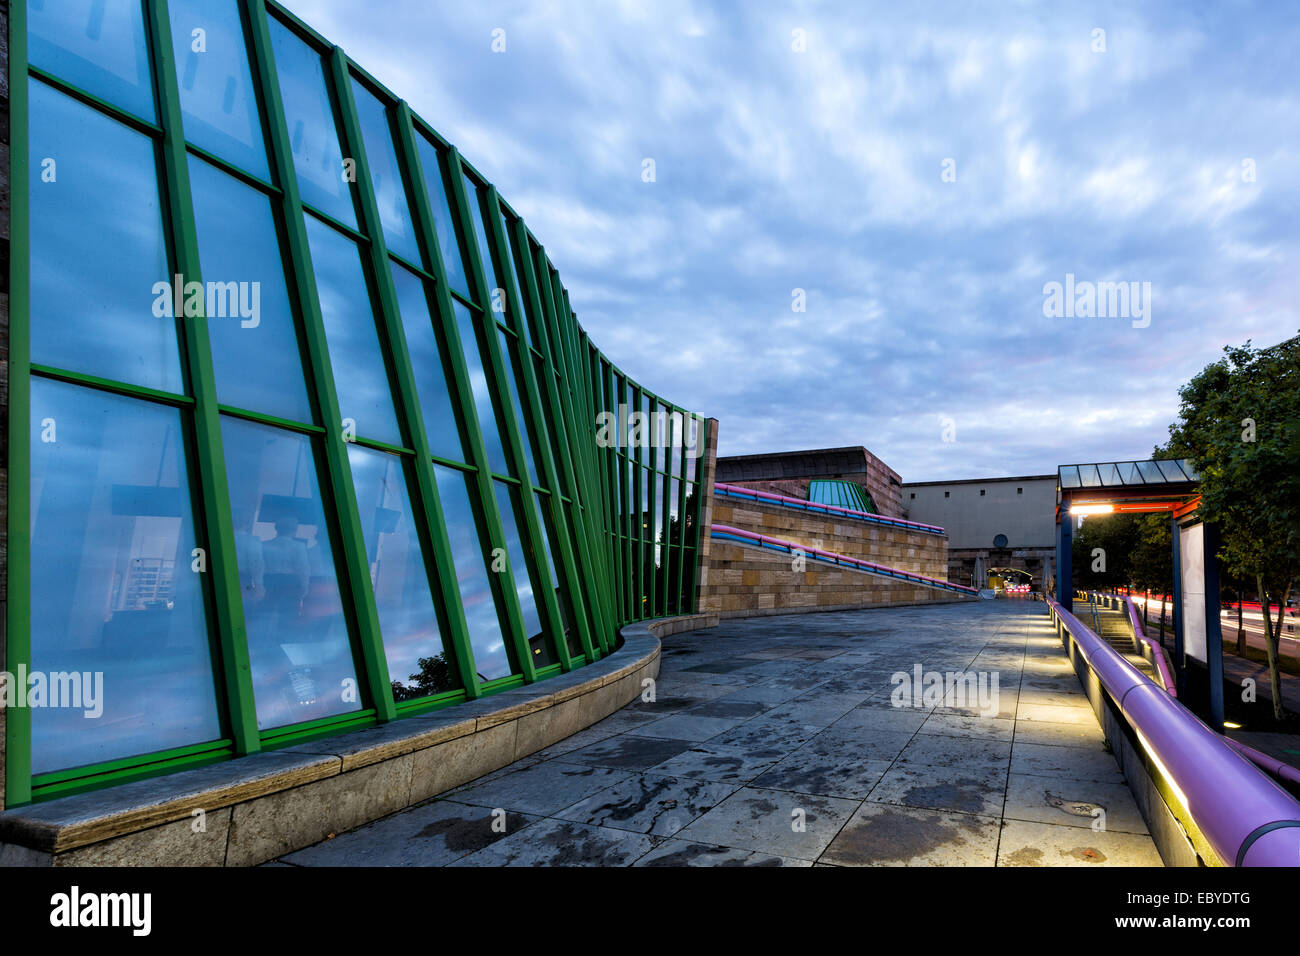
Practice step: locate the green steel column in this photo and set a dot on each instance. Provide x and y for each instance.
(503, 583)
(214, 515)
(18, 616)
(337, 489)
(438, 562)
(540, 571)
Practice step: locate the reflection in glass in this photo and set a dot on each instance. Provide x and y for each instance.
(97, 45)
(298, 640)
(514, 282)
(385, 174)
(538, 646)
(256, 360)
(430, 159)
(216, 87)
(113, 597)
(490, 273)
(355, 354)
(508, 358)
(478, 384)
(309, 117)
(97, 249)
(553, 560)
(418, 665)
(491, 659)
(426, 364)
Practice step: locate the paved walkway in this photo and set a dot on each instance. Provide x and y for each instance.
(774, 742)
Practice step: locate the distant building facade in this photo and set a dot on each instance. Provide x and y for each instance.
(791, 472)
(992, 523)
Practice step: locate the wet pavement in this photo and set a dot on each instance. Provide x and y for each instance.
(786, 741)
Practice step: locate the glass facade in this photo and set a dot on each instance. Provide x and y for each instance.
(305, 435)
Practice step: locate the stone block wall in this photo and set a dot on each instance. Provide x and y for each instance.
(746, 581)
(914, 551)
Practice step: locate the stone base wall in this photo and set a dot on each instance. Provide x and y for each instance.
(253, 809)
(899, 548)
(745, 581)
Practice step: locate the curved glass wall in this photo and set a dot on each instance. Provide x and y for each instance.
(305, 434)
(842, 494)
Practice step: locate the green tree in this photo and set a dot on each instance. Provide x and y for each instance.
(1102, 552)
(1239, 422)
(1151, 565)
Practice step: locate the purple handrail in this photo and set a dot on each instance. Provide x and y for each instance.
(818, 506)
(1260, 759)
(1157, 652)
(1246, 818)
(840, 558)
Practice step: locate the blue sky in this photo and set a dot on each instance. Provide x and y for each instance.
(1170, 157)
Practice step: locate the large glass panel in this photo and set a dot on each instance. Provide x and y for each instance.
(418, 664)
(255, 353)
(426, 364)
(431, 160)
(554, 559)
(385, 174)
(538, 646)
(484, 246)
(491, 658)
(514, 280)
(101, 300)
(298, 640)
(509, 359)
(98, 45)
(478, 384)
(309, 117)
(360, 378)
(217, 97)
(115, 604)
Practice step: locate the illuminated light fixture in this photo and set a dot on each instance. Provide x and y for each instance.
(1091, 509)
(1232, 725)
(1164, 773)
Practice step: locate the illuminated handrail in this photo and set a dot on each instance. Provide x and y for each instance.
(739, 491)
(1157, 652)
(843, 560)
(1247, 819)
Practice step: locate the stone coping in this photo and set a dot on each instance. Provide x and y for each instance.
(421, 756)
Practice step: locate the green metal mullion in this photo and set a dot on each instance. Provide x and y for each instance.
(438, 564)
(638, 523)
(601, 475)
(18, 610)
(584, 445)
(542, 398)
(702, 442)
(652, 518)
(579, 520)
(445, 321)
(338, 489)
(489, 354)
(681, 520)
(628, 556)
(215, 496)
(607, 480)
(498, 245)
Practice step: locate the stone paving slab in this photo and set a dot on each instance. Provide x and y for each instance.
(1042, 844)
(776, 742)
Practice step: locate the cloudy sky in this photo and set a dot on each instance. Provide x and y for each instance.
(920, 171)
